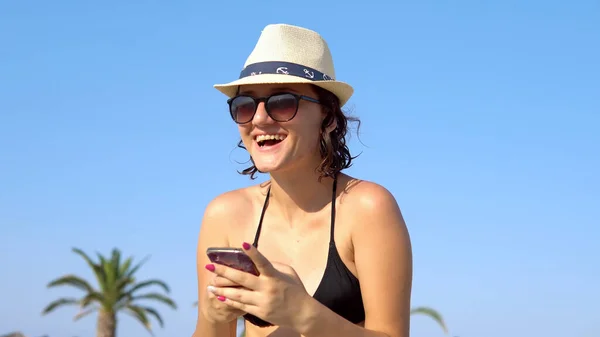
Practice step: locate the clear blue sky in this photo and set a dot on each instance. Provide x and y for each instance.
(482, 118)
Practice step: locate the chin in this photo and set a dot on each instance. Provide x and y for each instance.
(266, 167)
(276, 158)
(269, 160)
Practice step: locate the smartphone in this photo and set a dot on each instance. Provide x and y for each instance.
(237, 259)
(232, 257)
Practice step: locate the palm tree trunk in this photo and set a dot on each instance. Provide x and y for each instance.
(107, 324)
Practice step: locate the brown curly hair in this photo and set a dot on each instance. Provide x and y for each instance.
(334, 150)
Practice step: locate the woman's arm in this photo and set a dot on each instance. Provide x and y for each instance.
(383, 257)
(212, 233)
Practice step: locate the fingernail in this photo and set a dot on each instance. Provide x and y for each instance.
(210, 267)
(211, 289)
(246, 246)
(221, 298)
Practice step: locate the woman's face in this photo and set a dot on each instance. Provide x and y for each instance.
(287, 143)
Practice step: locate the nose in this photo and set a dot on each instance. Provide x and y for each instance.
(261, 117)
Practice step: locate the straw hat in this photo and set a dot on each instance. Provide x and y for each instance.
(290, 54)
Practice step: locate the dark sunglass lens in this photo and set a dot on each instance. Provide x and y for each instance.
(242, 109)
(282, 107)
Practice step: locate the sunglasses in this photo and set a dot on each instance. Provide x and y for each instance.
(281, 107)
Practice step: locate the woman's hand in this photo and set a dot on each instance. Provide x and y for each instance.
(217, 311)
(276, 295)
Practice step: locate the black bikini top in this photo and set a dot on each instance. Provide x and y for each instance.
(339, 289)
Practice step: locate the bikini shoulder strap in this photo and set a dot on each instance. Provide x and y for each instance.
(333, 198)
(262, 215)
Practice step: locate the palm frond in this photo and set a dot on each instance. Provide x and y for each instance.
(116, 259)
(156, 315)
(98, 272)
(107, 270)
(113, 267)
(157, 297)
(140, 314)
(125, 266)
(71, 280)
(147, 284)
(123, 282)
(431, 313)
(91, 298)
(133, 270)
(84, 313)
(59, 303)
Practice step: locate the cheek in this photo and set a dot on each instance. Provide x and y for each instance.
(311, 138)
(245, 135)
(244, 131)
(316, 140)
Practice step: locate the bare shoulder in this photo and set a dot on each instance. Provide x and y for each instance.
(377, 220)
(367, 200)
(227, 204)
(226, 212)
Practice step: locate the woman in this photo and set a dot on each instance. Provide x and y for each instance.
(333, 251)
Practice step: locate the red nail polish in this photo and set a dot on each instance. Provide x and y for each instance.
(246, 246)
(221, 298)
(210, 267)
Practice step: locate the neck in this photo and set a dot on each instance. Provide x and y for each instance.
(299, 191)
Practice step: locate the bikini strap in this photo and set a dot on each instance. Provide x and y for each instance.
(333, 198)
(262, 215)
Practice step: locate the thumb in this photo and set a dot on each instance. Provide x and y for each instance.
(284, 268)
(264, 266)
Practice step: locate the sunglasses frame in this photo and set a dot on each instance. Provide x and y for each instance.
(265, 99)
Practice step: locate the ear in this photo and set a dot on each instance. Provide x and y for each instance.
(333, 123)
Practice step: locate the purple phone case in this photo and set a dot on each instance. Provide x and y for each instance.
(232, 257)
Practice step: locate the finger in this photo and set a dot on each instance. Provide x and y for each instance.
(212, 297)
(238, 277)
(263, 265)
(241, 295)
(219, 281)
(214, 301)
(247, 308)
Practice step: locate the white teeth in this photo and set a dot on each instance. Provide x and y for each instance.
(261, 138)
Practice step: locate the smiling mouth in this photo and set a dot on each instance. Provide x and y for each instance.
(269, 140)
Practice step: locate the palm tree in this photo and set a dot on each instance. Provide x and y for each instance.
(431, 313)
(117, 292)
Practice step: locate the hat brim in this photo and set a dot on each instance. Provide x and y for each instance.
(341, 89)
